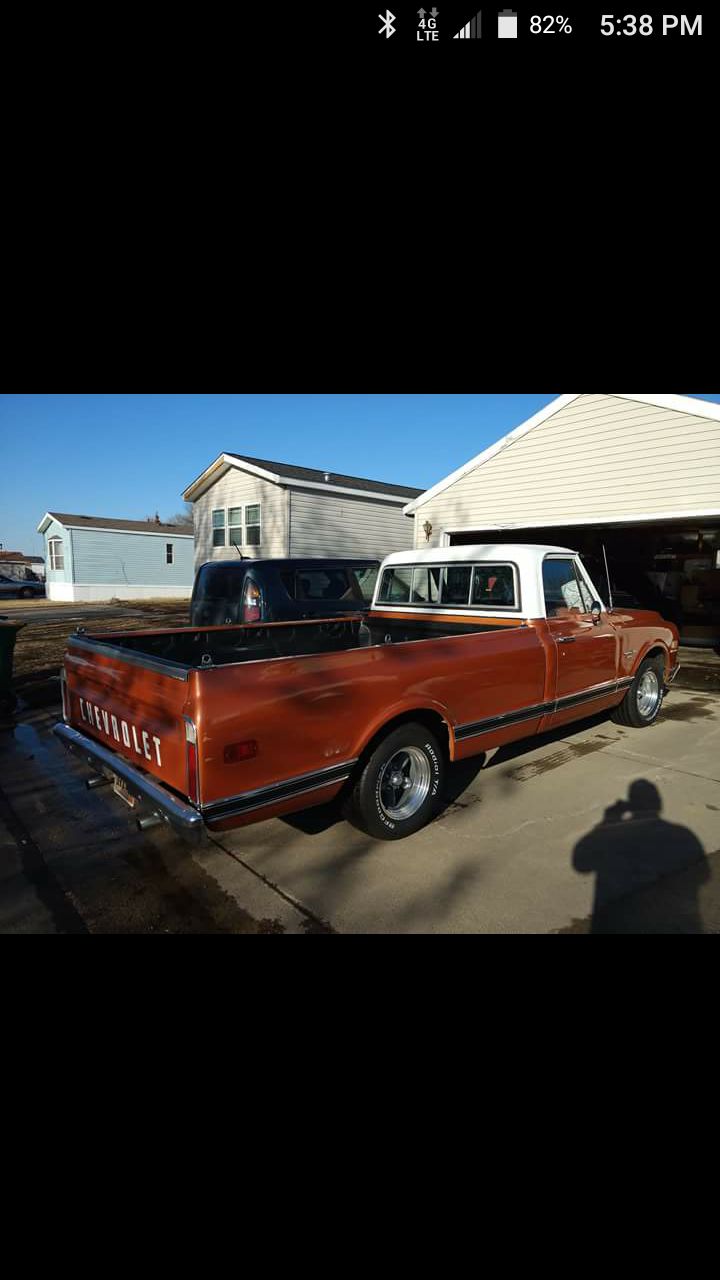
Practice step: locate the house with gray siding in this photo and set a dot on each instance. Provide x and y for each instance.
(268, 510)
(96, 558)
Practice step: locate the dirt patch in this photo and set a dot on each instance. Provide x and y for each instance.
(41, 645)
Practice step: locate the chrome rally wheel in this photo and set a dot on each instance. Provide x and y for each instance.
(404, 783)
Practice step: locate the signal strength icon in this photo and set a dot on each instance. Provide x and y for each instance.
(471, 30)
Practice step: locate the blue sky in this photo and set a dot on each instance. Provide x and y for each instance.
(130, 455)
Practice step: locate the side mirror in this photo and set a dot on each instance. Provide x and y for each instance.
(596, 611)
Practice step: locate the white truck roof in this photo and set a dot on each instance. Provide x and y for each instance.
(527, 557)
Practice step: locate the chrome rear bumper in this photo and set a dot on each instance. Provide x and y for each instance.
(186, 820)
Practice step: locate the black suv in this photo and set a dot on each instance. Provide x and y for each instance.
(228, 591)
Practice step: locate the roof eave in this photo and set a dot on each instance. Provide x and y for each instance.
(217, 468)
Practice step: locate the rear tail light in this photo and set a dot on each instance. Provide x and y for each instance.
(192, 761)
(236, 751)
(252, 603)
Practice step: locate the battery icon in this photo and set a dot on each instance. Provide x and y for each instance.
(507, 24)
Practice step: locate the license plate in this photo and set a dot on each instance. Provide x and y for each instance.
(120, 789)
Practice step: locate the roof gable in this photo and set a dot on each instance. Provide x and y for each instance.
(675, 403)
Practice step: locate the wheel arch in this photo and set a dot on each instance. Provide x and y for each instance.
(654, 649)
(430, 717)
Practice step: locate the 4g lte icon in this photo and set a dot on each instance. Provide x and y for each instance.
(427, 28)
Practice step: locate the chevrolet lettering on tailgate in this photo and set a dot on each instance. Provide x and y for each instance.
(120, 730)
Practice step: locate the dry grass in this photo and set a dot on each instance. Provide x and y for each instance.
(41, 645)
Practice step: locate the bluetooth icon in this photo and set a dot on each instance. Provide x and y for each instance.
(387, 24)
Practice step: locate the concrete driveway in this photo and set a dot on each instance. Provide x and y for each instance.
(600, 829)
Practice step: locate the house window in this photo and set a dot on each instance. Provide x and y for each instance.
(218, 518)
(57, 558)
(169, 553)
(235, 526)
(252, 525)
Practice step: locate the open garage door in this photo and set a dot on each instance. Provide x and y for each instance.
(672, 567)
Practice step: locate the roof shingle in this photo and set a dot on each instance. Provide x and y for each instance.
(129, 526)
(289, 472)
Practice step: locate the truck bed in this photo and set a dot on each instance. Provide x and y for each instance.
(194, 648)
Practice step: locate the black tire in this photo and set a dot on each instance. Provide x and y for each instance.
(642, 704)
(379, 797)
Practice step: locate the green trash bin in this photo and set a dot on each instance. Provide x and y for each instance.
(8, 636)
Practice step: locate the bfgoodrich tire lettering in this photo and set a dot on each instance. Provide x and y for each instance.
(643, 701)
(398, 789)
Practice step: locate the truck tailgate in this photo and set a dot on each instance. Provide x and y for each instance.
(134, 712)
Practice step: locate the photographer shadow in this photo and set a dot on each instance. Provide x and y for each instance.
(648, 872)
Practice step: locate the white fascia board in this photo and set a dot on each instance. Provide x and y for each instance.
(595, 521)
(221, 463)
(210, 474)
(46, 520)
(678, 404)
(554, 407)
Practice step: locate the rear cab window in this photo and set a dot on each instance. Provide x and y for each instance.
(462, 586)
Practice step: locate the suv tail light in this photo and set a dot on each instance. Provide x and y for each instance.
(252, 602)
(192, 761)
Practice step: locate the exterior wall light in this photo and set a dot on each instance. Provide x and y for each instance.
(427, 530)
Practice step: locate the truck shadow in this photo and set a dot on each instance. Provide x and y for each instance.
(648, 872)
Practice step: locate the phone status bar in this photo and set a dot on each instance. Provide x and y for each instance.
(401, 25)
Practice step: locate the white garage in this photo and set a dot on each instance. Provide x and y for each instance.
(635, 478)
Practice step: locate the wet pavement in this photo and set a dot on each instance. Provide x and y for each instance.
(594, 829)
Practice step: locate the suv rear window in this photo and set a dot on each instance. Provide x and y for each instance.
(323, 584)
(218, 582)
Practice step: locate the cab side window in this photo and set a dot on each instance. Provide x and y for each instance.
(585, 593)
(396, 585)
(562, 593)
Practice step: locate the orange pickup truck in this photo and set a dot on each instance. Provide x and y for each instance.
(464, 649)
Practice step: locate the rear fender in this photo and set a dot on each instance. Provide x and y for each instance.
(425, 712)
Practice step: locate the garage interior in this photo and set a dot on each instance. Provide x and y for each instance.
(673, 567)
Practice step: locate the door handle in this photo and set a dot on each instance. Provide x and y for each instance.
(566, 639)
